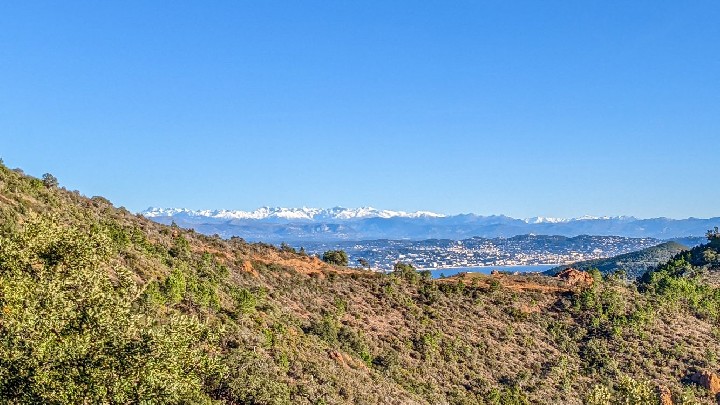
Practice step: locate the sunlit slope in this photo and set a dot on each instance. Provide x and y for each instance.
(98, 305)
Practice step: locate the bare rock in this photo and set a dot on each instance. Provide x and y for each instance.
(665, 395)
(576, 277)
(708, 380)
(339, 358)
(249, 268)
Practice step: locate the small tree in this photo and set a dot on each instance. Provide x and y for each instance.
(287, 248)
(49, 180)
(363, 263)
(710, 256)
(713, 235)
(336, 257)
(405, 270)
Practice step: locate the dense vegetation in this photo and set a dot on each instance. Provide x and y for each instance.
(632, 265)
(98, 305)
(336, 257)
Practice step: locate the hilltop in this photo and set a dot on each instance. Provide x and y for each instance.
(633, 264)
(699, 264)
(98, 305)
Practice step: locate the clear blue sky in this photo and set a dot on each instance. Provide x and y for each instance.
(554, 108)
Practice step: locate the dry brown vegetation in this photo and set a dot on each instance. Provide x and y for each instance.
(291, 329)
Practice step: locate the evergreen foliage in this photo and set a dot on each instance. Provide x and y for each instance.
(631, 265)
(98, 305)
(336, 257)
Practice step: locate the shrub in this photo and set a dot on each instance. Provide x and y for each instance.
(627, 391)
(406, 271)
(287, 248)
(70, 332)
(49, 180)
(245, 301)
(253, 380)
(326, 328)
(336, 257)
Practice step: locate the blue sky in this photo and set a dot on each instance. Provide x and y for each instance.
(552, 108)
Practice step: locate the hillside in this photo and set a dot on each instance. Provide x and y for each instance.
(634, 264)
(701, 263)
(102, 306)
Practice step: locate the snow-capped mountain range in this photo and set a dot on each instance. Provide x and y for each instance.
(310, 214)
(550, 220)
(336, 213)
(333, 224)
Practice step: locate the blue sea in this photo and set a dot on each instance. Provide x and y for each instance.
(437, 273)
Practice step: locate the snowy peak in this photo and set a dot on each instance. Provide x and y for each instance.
(545, 220)
(277, 224)
(340, 214)
(550, 220)
(307, 214)
(337, 213)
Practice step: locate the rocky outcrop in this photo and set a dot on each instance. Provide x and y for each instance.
(346, 361)
(576, 277)
(339, 358)
(665, 395)
(707, 380)
(248, 267)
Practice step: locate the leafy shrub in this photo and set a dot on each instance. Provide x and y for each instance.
(326, 328)
(70, 333)
(287, 248)
(49, 180)
(336, 257)
(253, 379)
(406, 271)
(245, 300)
(627, 391)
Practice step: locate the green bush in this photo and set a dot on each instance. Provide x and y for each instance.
(627, 391)
(245, 301)
(336, 257)
(326, 328)
(406, 271)
(49, 180)
(253, 379)
(71, 333)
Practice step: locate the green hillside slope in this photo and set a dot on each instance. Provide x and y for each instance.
(98, 305)
(633, 264)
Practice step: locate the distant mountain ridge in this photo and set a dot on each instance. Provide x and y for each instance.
(304, 213)
(337, 224)
(339, 213)
(551, 220)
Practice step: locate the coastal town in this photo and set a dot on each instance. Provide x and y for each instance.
(523, 250)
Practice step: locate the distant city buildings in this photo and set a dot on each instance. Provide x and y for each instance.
(475, 252)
